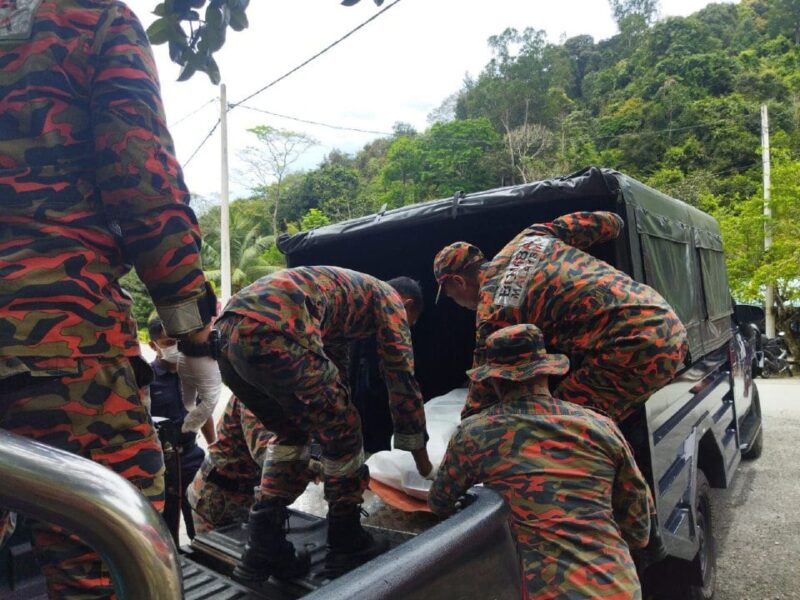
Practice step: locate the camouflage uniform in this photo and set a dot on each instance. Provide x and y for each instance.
(626, 340)
(235, 458)
(577, 499)
(284, 353)
(88, 184)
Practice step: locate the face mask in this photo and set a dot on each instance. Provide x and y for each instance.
(170, 353)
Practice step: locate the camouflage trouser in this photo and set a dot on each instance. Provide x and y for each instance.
(621, 377)
(296, 394)
(96, 412)
(549, 575)
(214, 507)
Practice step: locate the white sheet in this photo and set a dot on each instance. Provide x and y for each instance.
(396, 468)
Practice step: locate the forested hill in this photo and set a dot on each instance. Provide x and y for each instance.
(673, 102)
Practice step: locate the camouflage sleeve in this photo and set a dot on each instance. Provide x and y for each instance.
(481, 394)
(631, 498)
(581, 229)
(255, 435)
(340, 355)
(456, 474)
(140, 181)
(396, 357)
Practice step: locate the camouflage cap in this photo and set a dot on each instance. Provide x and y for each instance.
(517, 353)
(454, 259)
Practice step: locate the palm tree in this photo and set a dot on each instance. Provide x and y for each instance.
(248, 249)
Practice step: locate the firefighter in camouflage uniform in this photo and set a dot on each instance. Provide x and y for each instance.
(578, 501)
(223, 489)
(624, 339)
(88, 184)
(284, 343)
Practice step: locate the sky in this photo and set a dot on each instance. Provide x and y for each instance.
(399, 67)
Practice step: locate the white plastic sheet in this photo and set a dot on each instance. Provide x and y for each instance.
(396, 468)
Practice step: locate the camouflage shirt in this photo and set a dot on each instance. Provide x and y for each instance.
(89, 184)
(324, 309)
(582, 304)
(577, 498)
(238, 453)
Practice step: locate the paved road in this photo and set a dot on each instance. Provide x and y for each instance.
(758, 518)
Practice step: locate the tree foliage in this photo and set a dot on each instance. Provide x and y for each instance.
(269, 162)
(195, 30)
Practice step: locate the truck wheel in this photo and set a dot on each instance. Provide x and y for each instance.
(757, 445)
(676, 579)
(706, 559)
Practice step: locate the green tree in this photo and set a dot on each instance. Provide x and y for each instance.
(269, 162)
(313, 219)
(251, 255)
(783, 18)
(743, 223)
(461, 155)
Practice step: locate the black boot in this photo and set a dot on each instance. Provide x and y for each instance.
(654, 552)
(268, 552)
(349, 544)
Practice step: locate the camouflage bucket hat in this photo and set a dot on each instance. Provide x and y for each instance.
(454, 259)
(517, 353)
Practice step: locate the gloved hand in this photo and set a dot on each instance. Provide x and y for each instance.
(200, 377)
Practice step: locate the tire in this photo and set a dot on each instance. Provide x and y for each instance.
(757, 445)
(676, 579)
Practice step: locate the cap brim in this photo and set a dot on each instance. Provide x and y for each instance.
(553, 364)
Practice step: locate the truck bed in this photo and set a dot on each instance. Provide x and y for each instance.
(469, 555)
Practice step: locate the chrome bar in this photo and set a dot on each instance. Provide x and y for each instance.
(98, 506)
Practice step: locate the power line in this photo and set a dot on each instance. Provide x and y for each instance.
(317, 55)
(233, 105)
(205, 139)
(319, 123)
(191, 114)
(659, 131)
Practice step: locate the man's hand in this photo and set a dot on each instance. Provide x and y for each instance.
(424, 466)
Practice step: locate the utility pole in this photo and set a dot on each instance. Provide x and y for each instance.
(769, 298)
(224, 215)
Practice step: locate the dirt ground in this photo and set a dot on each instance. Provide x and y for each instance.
(758, 519)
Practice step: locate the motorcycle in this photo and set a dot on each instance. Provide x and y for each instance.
(774, 359)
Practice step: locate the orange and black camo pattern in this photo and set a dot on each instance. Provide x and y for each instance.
(578, 501)
(629, 340)
(96, 412)
(89, 184)
(237, 454)
(324, 309)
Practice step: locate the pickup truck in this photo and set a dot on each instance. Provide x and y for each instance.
(689, 436)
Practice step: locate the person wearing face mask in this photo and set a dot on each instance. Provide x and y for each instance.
(166, 401)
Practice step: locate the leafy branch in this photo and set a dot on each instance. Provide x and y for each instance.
(193, 39)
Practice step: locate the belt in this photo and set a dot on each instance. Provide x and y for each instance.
(229, 484)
